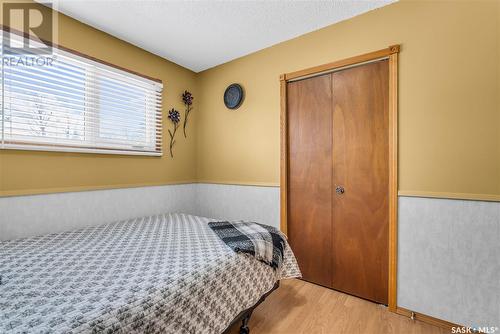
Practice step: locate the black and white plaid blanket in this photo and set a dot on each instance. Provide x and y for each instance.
(264, 242)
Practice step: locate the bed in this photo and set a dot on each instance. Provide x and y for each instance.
(159, 274)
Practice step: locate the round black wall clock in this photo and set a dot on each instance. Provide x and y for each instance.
(233, 96)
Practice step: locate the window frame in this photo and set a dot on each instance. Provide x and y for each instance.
(84, 146)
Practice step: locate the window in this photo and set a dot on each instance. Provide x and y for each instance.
(68, 102)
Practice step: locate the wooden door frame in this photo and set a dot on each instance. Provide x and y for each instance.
(390, 53)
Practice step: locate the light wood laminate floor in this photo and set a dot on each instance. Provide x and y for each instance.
(301, 307)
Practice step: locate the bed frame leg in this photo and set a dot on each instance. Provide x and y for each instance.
(244, 323)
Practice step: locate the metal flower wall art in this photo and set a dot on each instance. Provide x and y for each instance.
(187, 98)
(175, 117)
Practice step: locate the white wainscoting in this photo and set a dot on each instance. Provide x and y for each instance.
(22, 216)
(449, 259)
(236, 202)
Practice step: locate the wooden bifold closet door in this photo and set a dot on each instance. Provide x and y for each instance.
(338, 179)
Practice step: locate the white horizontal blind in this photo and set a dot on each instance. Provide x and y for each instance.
(77, 104)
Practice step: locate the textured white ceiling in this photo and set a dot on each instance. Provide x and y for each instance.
(202, 34)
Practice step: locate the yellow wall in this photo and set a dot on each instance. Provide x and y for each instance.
(28, 172)
(449, 106)
(449, 103)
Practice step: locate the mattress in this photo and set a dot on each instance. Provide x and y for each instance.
(159, 274)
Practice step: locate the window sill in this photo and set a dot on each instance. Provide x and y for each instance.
(77, 150)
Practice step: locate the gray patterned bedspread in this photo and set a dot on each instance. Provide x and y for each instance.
(160, 274)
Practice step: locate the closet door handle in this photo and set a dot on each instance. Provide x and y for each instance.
(339, 190)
